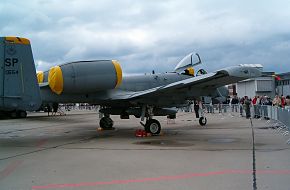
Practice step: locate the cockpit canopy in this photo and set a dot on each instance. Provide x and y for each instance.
(188, 61)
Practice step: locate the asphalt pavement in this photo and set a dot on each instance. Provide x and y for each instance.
(70, 153)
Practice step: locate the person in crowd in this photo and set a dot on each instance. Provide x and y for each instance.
(277, 101)
(256, 103)
(207, 102)
(247, 104)
(242, 100)
(254, 100)
(269, 101)
(220, 106)
(226, 103)
(287, 102)
(211, 107)
(283, 101)
(196, 108)
(264, 106)
(234, 103)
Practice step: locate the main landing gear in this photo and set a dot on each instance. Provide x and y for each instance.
(152, 125)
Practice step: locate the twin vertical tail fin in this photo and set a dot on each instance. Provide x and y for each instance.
(19, 89)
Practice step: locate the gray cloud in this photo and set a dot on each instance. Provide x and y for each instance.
(146, 35)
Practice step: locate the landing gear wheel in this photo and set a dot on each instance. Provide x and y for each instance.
(22, 114)
(13, 115)
(153, 126)
(106, 123)
(202, 121)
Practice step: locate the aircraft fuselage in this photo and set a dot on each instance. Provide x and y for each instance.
(130, 83)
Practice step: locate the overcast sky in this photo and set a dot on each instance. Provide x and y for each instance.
(152, 34)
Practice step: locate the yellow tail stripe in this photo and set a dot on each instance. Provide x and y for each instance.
(17, 40)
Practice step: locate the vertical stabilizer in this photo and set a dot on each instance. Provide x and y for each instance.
(19, 90)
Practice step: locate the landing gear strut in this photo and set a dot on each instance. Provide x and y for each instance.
(202, 119)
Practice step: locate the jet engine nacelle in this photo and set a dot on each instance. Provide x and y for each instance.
(84, 76)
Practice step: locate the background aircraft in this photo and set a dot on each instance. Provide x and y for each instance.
(101, 82)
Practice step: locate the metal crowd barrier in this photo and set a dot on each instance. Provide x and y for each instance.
(69, 107)
(272, 112)
(219, 108)
(267, 112)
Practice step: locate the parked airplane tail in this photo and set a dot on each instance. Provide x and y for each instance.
(19, 90)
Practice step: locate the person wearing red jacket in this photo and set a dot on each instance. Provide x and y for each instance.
(256, 104)
(283, 101)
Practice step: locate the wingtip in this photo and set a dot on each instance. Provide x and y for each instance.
(242, 71)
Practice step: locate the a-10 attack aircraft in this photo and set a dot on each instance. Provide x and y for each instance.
(101, 82)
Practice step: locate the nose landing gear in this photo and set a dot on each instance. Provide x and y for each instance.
(202, 121)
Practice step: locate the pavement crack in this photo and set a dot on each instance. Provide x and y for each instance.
(254, 156)
(48, 148)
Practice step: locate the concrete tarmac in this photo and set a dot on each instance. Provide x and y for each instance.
(69, 153)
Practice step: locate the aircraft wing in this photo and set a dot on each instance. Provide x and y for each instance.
(211, 80)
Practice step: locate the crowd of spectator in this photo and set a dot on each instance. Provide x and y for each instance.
(244, 104)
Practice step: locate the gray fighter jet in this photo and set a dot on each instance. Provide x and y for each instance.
(101, 82)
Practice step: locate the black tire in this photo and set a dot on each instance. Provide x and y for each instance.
(22, 114)
(153, 126)
(202, 121)
(13, 115)
(106, 123)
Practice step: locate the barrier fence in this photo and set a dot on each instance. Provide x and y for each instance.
(267, 112)
(69, 107)
(257, 111)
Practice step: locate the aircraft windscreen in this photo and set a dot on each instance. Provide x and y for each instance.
(190, 60)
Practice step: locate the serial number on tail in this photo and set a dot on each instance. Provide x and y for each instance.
(11, 72)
